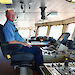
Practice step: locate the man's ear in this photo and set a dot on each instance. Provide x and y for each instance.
(6, 15)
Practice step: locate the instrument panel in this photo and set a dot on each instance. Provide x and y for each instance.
(60, 68)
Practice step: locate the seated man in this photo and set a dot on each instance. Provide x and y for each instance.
(13, 37)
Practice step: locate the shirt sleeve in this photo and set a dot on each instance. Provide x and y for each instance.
(9, 34)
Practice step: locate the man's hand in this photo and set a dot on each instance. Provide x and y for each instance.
(26, 44)
(18, 42)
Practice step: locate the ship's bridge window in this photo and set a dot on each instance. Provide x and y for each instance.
(56, 31)
(24, 33)
(70, 29)
(42, 31)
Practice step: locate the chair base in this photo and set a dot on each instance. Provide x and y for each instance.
(23, 70)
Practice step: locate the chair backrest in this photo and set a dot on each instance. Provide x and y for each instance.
(2, 37)
(3, 41)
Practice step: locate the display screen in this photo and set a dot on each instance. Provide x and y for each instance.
(63, 38)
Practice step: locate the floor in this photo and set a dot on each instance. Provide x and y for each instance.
(5, 67)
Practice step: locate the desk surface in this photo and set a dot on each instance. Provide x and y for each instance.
(40, 43)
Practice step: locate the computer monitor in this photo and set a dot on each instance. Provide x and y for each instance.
(63, 38)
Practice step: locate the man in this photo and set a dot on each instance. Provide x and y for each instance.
(13, 37)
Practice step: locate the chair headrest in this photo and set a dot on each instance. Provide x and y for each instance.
(1, 26)
(2, 37)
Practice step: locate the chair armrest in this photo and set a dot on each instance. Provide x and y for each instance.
(8, 49)
(14, 46)
(11, 47)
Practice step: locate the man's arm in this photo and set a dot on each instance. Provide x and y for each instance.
(18, 42)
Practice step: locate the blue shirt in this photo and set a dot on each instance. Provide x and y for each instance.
(11, 32)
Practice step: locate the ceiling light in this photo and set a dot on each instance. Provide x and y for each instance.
(6, 1)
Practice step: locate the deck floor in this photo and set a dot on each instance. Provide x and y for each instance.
(5, 67)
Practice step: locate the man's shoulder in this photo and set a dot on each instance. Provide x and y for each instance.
(7, 24)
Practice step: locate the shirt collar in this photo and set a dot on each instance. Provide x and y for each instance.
(10, 22)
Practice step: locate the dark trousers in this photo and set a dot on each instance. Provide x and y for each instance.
(35, 50)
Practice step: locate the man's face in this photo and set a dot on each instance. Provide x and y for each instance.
(11, 15)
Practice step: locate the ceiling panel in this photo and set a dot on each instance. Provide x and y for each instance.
(32, 15)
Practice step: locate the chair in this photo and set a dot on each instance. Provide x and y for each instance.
(22, 60)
